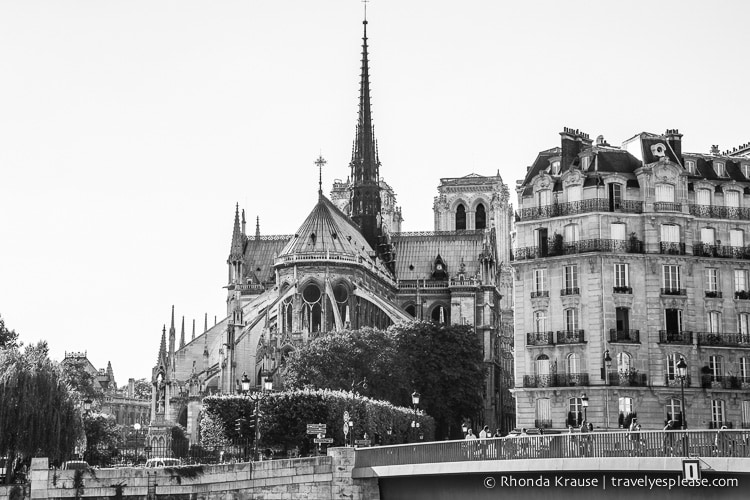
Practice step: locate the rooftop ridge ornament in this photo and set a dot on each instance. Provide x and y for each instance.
(320, 162)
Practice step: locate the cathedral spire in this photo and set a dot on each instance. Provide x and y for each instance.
(365, 164)
(172, 334)
(182, 334)
(235, 252)
(163, 345)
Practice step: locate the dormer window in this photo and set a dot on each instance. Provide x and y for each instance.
(585, 163)
(720, 169)
(690, 166)
(746, 170)
(555, 167)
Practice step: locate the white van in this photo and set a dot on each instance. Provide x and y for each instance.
(163, 462)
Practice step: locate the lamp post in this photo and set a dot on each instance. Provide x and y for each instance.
(585, 404)
(682, 373)
(87, 405)
(137, 427)
(415, 403)
(350, 423)
(607, 364)
(464, 428)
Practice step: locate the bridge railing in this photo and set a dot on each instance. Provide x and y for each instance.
(728, 443)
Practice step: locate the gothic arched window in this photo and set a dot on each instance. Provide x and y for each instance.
(460, 217)
(481, 217)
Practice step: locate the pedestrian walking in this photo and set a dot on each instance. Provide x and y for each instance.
(669, 438)
(722, 443)
(634, 436)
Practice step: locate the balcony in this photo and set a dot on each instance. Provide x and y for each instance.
(671, 248)
(715, 339)
(675, 337)
(556, 380)
(570, 291)
(674, 381)
(720, 251)
(719, 424)
(540, 338)
(709, 381)
(707, 211)
(712, 294)
(627, 378)
(580, 207)
(625, 336)
(570, 337)
(622, 289)
(667, 206)
(539, 294)
(674, 291)
(742, 295)
(556, 247)
(543, 423)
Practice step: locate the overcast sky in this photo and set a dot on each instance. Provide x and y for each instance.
(129, 129)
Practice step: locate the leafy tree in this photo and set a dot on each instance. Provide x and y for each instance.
(80, 381)
(102, 437)
(362, 360)
(8, 338)
(445, 364)
(143, 389)
(38, 413)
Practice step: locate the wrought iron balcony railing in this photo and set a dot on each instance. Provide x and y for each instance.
(580, 207)
(558, 247)
(540, 338)
(625, 336)
(723, 339)
(708, 211)
(674, 291)
(721, 251)
(622, 289)
(543, 423)
(675, 337)
(570, 291)
(627, 378)
(712, 294)
(674, 381)
(667, 206)
(556, 380)
(671, 248)
(570, 337)
(540, 293)
(709, 381)
(742, 295)
(718, 424)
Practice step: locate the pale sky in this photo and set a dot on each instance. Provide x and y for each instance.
(129, 129)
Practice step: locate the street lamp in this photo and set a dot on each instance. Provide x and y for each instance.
(268, 385)
(351, 430)
(87, 405)
(137, 427)
(585, 404)
(464, 428)
(607, 364)
(245, 383)
(682, 373)
(415, 402)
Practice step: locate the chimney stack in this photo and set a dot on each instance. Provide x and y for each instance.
(715, 149)
(573, 141)
(674, 139)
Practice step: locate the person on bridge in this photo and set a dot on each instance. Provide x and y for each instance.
(470, 434)
(669, 438)
(485, 432)
(634, 436)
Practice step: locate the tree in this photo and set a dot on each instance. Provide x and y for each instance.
(444, 363)
(38, 414)
(360, 360)
(102, 437)
(80, 381)
(143, 389)
(8, 338)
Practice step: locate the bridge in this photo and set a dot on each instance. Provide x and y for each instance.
(679, 464)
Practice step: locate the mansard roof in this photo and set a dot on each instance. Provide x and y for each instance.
(260, 252)
(416, 252)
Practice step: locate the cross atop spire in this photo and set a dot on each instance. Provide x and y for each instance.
(365, 2)
(320, 162)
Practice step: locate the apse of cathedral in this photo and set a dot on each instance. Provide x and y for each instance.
(350, 266)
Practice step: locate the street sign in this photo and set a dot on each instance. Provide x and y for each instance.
(362, 442)
(324, 440)
(346, 428)
(316, 428)
(691, 470)
(346, 416)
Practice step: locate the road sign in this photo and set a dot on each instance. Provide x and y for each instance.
(362, 442)
(316, 428)
(346, 428)
(691, 470)
(324, 440)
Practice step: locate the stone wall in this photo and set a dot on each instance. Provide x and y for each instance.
(324, 477)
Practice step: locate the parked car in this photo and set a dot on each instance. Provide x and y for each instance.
(75, 465)
(163, 462)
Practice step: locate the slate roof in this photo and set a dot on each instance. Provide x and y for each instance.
(259, 256)
(328, 229)
(416, 252)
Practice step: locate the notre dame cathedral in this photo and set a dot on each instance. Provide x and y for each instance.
(349, 266)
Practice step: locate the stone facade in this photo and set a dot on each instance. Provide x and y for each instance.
(620, 271)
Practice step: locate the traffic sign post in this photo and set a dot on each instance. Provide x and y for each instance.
(316, 428)
(324, 440)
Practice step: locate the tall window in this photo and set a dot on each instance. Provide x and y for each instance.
(573, 193)
(745, 369)
(621, 275)
(460, 216)
(707, 236)
(574, 363)
(622, 320)
(575, 411)
(743, 324)
(674, 410)
(672, 360)
(732, 199)
(714, 321)
(670, 233)
(623, 362)
(617, 231)
(745, 414)
(671, 277)
(481, 217)
(570, 279)
(715, 366)
(736, 238)
(571, 319)
(543, 413)
(555, 168)
(717, 413)
(540, 280)
(615, 196)
(543, 198)
(673, 321)
(571, 233)
(625, 405)
(740, 280)
(540, 321)
(665, 192)
(712, 279)
(542, 365)
(703, 196)
(690, 166)
(719, 169)
(746, 170)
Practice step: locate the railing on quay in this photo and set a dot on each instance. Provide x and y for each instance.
(729, 443)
